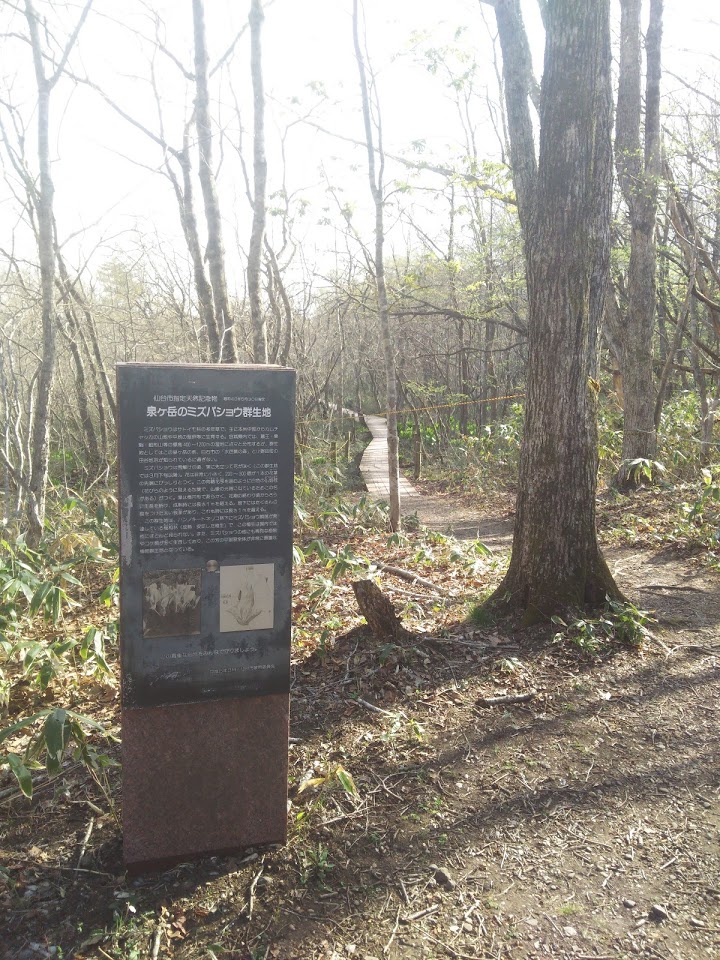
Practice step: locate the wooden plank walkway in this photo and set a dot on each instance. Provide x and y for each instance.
(434, 512)
(374, 467)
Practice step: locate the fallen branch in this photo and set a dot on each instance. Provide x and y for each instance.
(386, 948)
(668, 651)
(507, 698)
(371, 706)
(421, 913)
(697, 647)
(85, 841)
(453, 952)
(410, 577)
(670, 586)
(157, 939)
(250, 906)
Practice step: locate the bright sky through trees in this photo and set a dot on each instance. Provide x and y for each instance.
(104, 169)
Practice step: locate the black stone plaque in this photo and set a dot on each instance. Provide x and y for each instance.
(206, 496)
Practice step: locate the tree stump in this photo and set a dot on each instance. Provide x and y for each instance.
(379, 612)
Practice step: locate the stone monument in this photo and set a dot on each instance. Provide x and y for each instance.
(206, 495)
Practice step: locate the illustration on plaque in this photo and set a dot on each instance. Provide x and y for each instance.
(247, 597)
(171, 603)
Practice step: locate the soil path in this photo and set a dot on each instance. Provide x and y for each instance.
(433, 511)
(611, 846)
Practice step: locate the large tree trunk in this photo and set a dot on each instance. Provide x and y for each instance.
(639, 173)
(556, 562)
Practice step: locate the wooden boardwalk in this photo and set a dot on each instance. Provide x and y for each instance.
(436, 513)
(374, 467)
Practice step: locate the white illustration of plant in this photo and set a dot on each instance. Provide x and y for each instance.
(246, 597)
(244, 610)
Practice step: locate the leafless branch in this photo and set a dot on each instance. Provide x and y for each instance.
(71, 43)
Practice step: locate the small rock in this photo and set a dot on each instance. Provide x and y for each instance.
(694, 922)
(658, 913)
(444, 877)
(628, 903)
(570, 931)
(265, 881)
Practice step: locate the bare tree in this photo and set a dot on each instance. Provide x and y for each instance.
(376, 171)
(257, 319)
(208, 259)
(47, 71)
(639, 166)
(215, 251)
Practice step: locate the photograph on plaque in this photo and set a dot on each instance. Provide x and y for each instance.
(171, 603)
(247, 597)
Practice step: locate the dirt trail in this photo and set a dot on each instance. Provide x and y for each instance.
(587, 824)
(515, 799)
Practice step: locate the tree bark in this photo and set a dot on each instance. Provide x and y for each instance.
(673, 349)
(215, 252)
(379, 612)
(40, 457)
(43, 201)
(188, 221)
(518, 78)
(556, 563)
(257, 234)
(639, 167)
(706, 416)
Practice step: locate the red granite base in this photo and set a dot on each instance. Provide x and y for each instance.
(203, 778)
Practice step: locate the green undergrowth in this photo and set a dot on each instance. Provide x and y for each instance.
(328, 460)
(618, 624)
(684, 515)
(350, 540)
(46, 649)
(485, 458)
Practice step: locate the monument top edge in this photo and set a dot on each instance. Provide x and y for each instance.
(207, 366)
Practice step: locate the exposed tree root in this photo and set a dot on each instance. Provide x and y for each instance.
(541, 600)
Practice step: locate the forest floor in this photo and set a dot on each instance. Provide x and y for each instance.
(429, 818)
